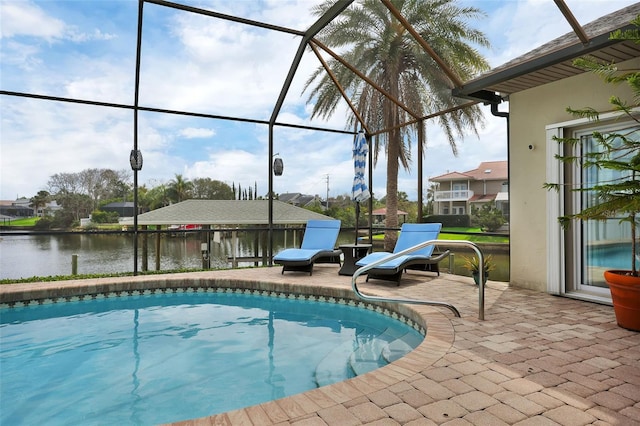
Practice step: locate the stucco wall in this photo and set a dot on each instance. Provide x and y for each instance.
(530, 111)
(493, 187)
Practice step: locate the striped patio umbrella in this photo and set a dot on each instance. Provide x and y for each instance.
(360, 191)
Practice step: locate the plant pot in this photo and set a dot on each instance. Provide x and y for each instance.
(476, 277)
(625, 294)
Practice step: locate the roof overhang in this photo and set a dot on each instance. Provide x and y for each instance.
(548, 64)
(502, 196)
(226, 213)
(482, 198)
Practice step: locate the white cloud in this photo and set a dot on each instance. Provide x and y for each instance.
(192, 132)
(26, 18)
(517, 27)
(216, 67)
(77, 36)
(100, 81)
(211, 66)
(57, 138)
(23, 56)
(239, 167)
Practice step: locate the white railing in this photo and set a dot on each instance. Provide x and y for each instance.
(461, 195)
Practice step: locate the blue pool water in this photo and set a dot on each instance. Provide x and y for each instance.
(610, 256)
(160, 358)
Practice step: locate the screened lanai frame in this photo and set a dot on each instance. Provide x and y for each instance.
(308, 40)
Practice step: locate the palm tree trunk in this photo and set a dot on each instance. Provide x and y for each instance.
(393, 151)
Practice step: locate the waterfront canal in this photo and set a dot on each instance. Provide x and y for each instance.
(25, 256)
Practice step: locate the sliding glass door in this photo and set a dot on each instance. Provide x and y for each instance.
(595, 246)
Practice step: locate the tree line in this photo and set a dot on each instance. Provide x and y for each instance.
(86, 192)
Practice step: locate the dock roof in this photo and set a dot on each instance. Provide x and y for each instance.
(227, 212)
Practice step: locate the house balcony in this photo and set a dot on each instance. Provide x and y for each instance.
(461, 195)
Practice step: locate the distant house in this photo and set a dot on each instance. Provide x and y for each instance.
(123, 208)
(300, 200)
(378, 216)
(459, 191)
(16, 208)
(22, 207)
(49, 209)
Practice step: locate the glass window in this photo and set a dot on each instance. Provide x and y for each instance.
(459, 190)
(601, 245)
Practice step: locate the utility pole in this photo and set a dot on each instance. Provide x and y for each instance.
(327, 192)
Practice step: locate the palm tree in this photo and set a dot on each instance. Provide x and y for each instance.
(39, 200)
(155, 198)
(179, 188)
(431, 196)
(373, 41)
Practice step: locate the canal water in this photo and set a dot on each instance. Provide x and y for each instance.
(25, 256)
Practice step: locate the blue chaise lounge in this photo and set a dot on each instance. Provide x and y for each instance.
(318, 245)
(411, 234)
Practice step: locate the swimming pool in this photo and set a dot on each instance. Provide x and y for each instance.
(188, 343)
(610, 256)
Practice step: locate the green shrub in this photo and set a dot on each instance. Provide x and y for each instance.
(43, 224)
(487, 217)
(99, 216)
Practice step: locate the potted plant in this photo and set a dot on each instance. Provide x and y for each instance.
(618, 196)
(473, 265)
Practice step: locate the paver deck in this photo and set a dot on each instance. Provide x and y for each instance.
(536, 359)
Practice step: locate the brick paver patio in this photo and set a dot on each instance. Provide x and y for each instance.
(536, 359)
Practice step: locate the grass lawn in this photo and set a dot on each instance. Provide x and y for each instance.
(479, 238)
(29, 221)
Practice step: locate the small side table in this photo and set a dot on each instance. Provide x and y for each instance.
(352, 253)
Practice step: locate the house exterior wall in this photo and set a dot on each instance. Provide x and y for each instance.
(448, 185)
(486, 187)
(475, 186)
(530, 111)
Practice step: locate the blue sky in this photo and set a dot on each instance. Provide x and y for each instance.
(86, 50)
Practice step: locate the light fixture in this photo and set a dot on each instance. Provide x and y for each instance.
(135, 159)
(278, 166)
